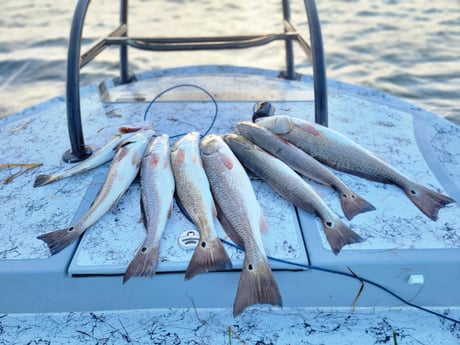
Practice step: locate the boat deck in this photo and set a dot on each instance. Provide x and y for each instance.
(406, 252)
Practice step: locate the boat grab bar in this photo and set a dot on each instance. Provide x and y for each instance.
(119, 37)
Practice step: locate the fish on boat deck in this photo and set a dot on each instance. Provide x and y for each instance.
(352, 204)
(341, 153)
(122, 172)
(194, 194)
(157, 190)
(101, 156)
(234, 195)
(293, 188)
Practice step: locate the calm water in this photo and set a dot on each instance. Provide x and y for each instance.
(410, 49)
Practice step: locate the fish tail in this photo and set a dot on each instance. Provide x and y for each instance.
(208, 256)
(59, 239)
(144, 263)
(338, 234)
(41, 180)
(257, 286)
(353, 204)
(427, 200)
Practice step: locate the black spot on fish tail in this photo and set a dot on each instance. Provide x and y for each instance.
(41, 180)
(427, 200)
(59, 239)
(144, 263)
(257, 285)
(353, 204)
(338, 235)
(208, 256)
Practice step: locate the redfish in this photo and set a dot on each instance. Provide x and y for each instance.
(341, 153)
(233, 192)
(122, 172)
(306, 165)
(194, 193)
(293, 188)
(157, 190)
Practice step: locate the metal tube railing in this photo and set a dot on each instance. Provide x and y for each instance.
(75, 61)
(78, 150)
(319, 68)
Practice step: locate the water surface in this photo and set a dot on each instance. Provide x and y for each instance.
(409, 49)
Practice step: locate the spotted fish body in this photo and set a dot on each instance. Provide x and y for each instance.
(233, 192)
(193, 191)
(293, 188)
(157, 190)
(341, 153)
(122, 172)
(306, 165)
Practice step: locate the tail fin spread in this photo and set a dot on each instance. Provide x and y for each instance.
(427, 200)
(59, 239)
(144, 263)
(41, 180)
(208, 256)
(338, 234)
(257, 286)
(353, 204)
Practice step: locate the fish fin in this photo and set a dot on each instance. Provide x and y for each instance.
(59, 239)
(263, 223)
(256, 286)
(170, 210)
(228, 227)
(41, 180)
(338, 234)
(144, 263)
(144, 218)
(213, 209)
(353, 204)
(427, 200)
(182, 208)
(314, 178)
(208, 256)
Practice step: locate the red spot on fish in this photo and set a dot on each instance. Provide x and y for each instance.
(122, 152)
(136, 159)
(180, 156)
(308, 128)
(154, 159)
(227, 160)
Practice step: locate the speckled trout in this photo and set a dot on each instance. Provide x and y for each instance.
(157, 191)
(233, 192)
(194, 193)
(341, 153)
(352, 204)
(287, 183)
(122, 172)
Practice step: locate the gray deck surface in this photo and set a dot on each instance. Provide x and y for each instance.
(400, 241)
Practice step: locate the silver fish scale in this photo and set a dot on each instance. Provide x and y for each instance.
(233, 192)
(333, 154)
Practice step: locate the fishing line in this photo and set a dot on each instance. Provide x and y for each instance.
(328, 270)
(214, 117)
(356, 277)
